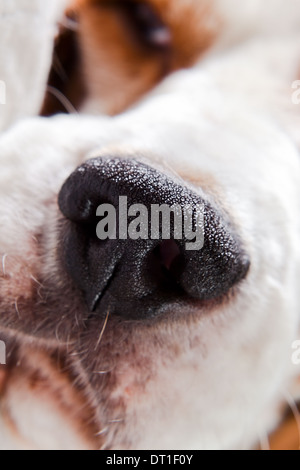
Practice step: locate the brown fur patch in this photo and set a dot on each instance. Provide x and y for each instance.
(3, 376)
(116, 67)
(287, 436)
(17, 280)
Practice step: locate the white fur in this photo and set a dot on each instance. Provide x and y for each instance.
(27, 31)
(257, 18)
(225, 387)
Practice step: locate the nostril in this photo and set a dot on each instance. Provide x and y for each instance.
(166, 265)
(168, 252)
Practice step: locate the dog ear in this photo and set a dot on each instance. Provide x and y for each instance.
(65, 89)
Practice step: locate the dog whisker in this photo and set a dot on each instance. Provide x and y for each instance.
(102, 331)
(78, 353)
(102, 372)
(62, 99)
(17, 309)
(36, 281)
(39, 285)
(57, 328)
(117, 420)
(68, 343)
(3, 264)
(103, 431)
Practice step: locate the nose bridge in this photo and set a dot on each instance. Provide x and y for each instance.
(138, 267)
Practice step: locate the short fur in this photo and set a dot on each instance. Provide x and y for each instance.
(209, 379)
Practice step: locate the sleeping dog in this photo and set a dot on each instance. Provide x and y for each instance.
(140, 342)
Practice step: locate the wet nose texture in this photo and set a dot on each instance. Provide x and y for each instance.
(140, 278)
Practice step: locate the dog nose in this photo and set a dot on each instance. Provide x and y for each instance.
(137, 241)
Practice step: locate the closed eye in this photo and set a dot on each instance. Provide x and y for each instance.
(145, 23)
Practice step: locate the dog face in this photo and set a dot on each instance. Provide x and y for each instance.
(144, 344)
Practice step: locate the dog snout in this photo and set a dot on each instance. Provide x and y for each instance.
(136, 241)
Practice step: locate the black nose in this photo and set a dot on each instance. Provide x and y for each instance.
(138, 241)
